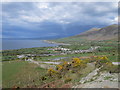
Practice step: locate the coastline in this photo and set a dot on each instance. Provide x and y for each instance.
(52, 42)
(22, 44)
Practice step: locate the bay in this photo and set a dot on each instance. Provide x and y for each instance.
(18, 44)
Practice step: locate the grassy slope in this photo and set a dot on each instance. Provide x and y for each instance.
(20, 73)
(105, 33)
(0, 74)
(23, 73)
(0, 70)
(10, 69)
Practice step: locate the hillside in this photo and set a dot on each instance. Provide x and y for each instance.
(94, 34)
(105, 33)
(75, 63)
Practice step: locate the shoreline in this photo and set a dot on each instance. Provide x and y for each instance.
(39, 43)
(52, 42)
(44, 41)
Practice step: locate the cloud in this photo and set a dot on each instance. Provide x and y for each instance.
(32, 18)
(60, 12)
(60, 1)
(42, 17)
(43, 5)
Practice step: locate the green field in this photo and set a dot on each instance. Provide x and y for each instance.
(0, 74)
(20, 73)
(17, 72)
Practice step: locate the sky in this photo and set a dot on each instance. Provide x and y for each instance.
(48, 20)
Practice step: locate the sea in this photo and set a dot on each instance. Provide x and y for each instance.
(19, 44)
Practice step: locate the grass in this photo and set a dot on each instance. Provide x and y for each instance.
(23, 74)
(68, 55)
(0, 74)
(110, 56)
(107, 77)
(11, 68)
(20, 73)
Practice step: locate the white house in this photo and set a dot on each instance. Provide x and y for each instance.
(20, 56)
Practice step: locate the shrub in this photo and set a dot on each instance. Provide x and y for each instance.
(100, 60)
(103, 58)
(43, 78)
(64, 64)
(85, 61)
(59, 67)
(76, 62)
(72, 71)
(67, 79)
(96, 58)
(52, 72)
(115, 69)
(110, 68)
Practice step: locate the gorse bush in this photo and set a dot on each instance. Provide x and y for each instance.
(67, 79)
(76, 62)
(52, 72)
(111, 68)
(65, 64)
(102, 58)
(98, 59)
(101, 61)
(59, 67)
(109, 63)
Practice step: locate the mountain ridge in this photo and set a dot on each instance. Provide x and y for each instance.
(95, 34)
(105, 33)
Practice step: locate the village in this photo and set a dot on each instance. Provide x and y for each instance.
(56, 52)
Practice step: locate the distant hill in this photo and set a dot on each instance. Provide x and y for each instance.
(105, 33)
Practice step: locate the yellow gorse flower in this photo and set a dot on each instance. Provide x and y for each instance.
(104, 58)
(60, 67)
(51, 71)
(76, 62)
(109, 63)
(65, 63)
